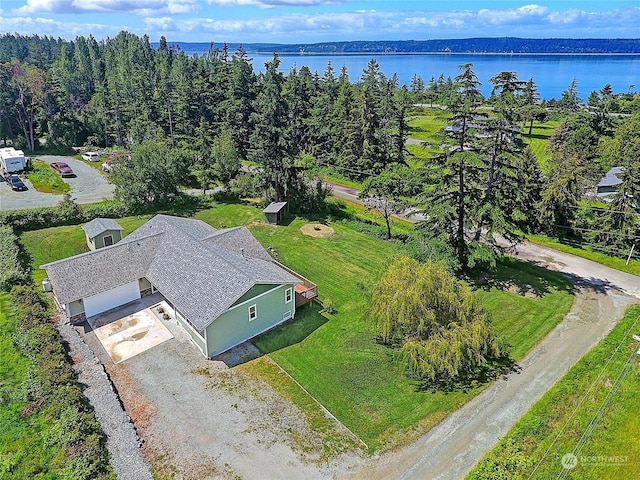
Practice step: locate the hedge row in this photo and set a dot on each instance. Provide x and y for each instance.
(51, 386)
(67, 212)
(11, 270)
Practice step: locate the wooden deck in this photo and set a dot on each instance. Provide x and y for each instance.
(305, 291)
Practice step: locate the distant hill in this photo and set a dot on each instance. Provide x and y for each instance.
(506, 45)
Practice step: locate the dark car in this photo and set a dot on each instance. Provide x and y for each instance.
(16, 183)
(63, 169)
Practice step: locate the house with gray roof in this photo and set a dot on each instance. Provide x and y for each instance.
(102, 232)
(610, 183)
(223, 286)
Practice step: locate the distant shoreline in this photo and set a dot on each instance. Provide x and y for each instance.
(521, 54)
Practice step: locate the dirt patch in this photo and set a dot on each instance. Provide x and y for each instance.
(317, 230)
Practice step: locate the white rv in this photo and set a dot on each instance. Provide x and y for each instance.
(11, 160)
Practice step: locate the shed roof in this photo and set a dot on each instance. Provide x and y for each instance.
(274, 207)
(199, 269)
(100, 225)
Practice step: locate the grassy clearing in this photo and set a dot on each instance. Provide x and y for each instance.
(539, 140)
(45, 180)
(336, 357)
(428, 124)
(554, 426)
(585, 252)
(23, 449)
(340, 362)
(526, 302)
(334, 440)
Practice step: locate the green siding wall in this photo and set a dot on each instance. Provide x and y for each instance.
(98, 240)
(75, 308)
(233, 327)
(253, 292)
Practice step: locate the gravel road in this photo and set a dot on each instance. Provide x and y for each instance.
(88, 186)
(452, 448)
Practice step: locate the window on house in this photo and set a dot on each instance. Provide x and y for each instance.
(108, 240)
(253, 312)
(288, 295)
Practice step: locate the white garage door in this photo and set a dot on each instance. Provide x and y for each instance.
(111, 298)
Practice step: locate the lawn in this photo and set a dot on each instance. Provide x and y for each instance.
(24, 452)
(591, 412)
(45, 179)
(427, 125)
(343, 366)
(336, 357)
(539, 140)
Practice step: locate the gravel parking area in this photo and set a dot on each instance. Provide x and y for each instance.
(88, 186)
(201, 419)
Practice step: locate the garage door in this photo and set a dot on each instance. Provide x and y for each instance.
(111, 298)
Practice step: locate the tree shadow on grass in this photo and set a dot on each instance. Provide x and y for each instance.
(522, 278)
(308, 319)
(490, 371)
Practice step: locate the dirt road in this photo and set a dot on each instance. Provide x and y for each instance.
(451, 449)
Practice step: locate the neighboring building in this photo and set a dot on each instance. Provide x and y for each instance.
(102, 232)
(224, 288)
(275, 212)
(609, 183)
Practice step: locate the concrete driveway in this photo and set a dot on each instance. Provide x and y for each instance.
(133, 334)
(88, 186)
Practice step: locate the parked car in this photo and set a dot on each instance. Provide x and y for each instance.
(63, 169)
(16, 183)
(91, 156)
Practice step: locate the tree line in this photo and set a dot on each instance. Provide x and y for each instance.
(178, 117)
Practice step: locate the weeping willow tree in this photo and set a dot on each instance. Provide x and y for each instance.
(436, 322)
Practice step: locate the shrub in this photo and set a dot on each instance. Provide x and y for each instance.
(11, 271)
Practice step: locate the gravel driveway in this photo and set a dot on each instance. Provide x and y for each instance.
(200, 419)
(88, 186)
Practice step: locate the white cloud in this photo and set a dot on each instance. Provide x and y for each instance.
(526, 13)
(273, 3)
(137, 7)
(568, 17)
(45, 26)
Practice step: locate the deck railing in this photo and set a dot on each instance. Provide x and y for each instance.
(312, 288)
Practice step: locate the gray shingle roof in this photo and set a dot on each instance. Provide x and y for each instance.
(100, 225)
(611, 179)
(197, 268)
(238, 240)
(90, 273)
(274, 207)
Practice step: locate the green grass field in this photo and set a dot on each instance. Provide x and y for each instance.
(23, 449)
(539, 140)
(601, 390)
(336, 357)
(45, 179)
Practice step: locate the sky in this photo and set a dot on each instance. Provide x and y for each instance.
(312, 21)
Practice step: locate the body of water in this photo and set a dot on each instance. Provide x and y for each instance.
(552, 73)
